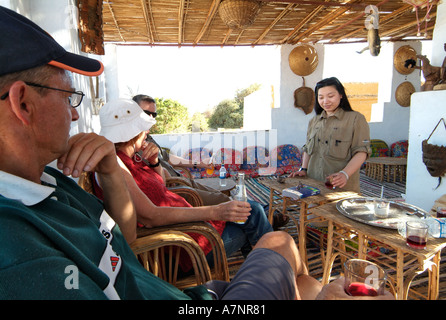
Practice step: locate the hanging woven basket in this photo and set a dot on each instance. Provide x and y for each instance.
(304, 98)
(403, 93)
(239, 14)
(434, 156)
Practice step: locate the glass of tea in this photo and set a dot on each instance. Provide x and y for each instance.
(364, 278)
(416, 234)
(441, 212)
(329, 182)
(210, 170)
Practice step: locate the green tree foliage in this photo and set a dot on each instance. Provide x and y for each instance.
(172, 117)
(199, 123)
(226, 115)
(229, 113)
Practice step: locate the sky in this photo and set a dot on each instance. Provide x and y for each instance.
(199, 78)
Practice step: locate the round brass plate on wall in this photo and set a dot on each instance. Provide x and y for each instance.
(401, 55)
(303, 60)
(403, 93)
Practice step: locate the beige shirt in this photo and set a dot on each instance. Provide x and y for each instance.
(333, 141)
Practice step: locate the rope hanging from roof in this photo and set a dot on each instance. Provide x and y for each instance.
(421, 4)
(239, 14)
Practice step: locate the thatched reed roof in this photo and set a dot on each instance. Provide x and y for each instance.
(199, 23)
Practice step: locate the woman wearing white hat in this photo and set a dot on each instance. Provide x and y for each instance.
(124, 123)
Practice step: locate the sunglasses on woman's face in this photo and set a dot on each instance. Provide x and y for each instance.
(150, 113)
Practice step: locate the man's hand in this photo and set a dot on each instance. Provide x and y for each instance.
(232, 211)
(91, 152)
(88, 152)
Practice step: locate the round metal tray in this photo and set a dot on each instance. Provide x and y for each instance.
(362, 210)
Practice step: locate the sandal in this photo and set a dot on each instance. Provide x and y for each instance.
(279, 220)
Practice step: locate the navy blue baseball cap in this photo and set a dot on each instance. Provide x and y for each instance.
(24, 45)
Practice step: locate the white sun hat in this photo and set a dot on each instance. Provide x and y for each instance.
(122, 120)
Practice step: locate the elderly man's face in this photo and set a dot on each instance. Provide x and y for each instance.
(54, 115)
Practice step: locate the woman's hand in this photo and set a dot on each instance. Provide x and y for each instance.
(338, 179)
(301, 173)
(150, 152)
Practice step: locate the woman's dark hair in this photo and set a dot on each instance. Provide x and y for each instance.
(333, 81)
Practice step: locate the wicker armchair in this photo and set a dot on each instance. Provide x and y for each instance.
(158, 248)
(159, 253)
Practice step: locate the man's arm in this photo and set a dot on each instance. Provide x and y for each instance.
(91, 152)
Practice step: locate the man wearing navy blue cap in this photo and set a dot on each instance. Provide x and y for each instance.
(56, 240)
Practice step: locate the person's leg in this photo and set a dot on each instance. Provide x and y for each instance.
(209, 195)
(257, 224)
(282, 243)
(273, 270)
(245, 236)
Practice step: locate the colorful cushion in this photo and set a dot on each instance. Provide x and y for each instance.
(399, 149)
(288, 158)
(197, 154)
(379, 148)
(254, 157)
(231, 158)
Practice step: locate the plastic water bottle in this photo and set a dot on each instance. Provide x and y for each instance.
(222, 175)
(437, 226)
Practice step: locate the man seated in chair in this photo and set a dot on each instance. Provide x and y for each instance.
(51, 228)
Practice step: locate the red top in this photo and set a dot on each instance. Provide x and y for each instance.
(153, 186)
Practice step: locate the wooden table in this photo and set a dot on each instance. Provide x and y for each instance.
(400, 261)
(215, 184)
(277, 201)
(380, 167)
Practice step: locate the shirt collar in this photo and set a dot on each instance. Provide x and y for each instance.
(25, 191)
(338, 114)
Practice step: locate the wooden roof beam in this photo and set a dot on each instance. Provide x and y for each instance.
(320, 3)
(300, 25)
(284, 12)
(115, 21)
(146, 13)
(211, 14)
(328, 19)
(350, 34)
(406, 26)
(181, 21)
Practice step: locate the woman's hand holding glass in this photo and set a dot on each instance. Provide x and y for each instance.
(338, 179)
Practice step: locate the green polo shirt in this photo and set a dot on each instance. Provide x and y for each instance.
(333, 141)
(57, 242)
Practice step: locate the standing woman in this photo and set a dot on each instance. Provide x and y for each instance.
(338, 138)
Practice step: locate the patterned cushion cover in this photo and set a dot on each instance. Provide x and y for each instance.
(399, 149)
(288, 158)
(254, 157)
(231, 158)
(197, 154)
(379, 148)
